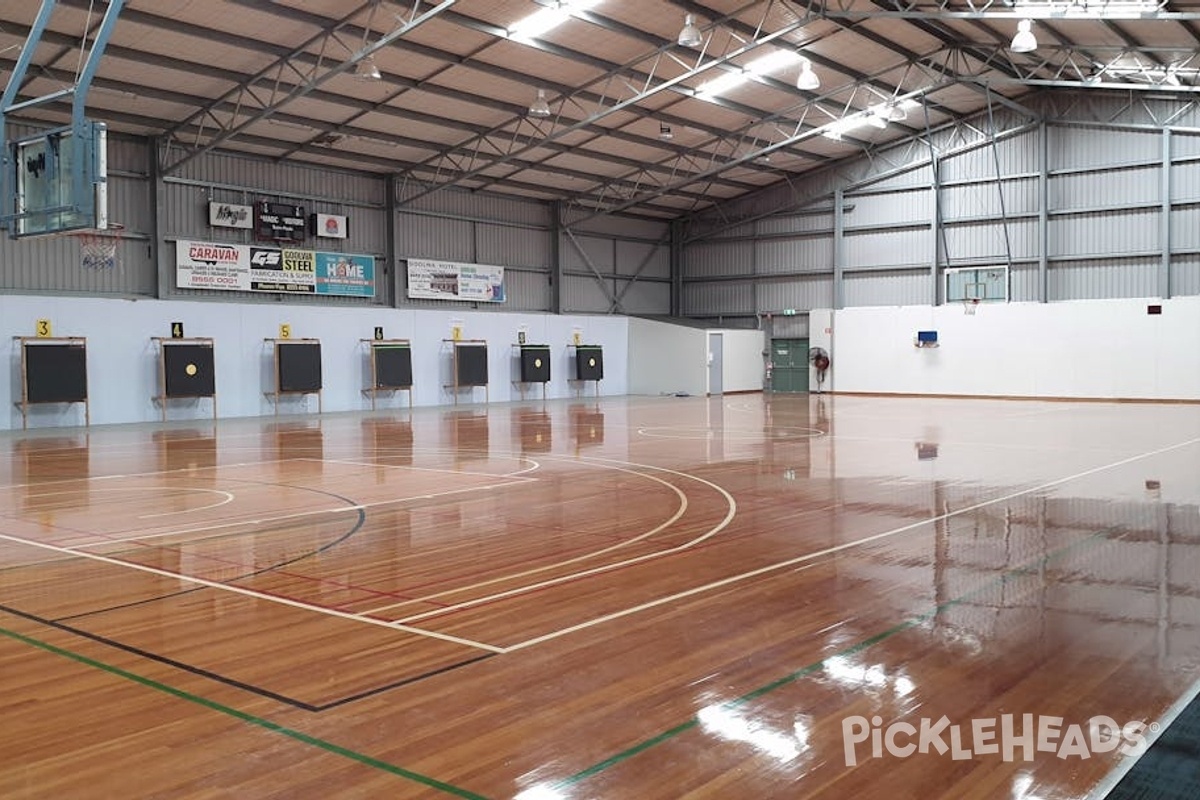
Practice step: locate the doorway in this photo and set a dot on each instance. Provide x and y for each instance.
(789, 362)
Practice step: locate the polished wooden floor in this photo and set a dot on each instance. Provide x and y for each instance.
(628, 598)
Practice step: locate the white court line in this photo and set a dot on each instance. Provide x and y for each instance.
(1127, 763)
(732, 510)
(229, 496)
(251, 593)
(634, 610)
(848, 545)
(145, 474)
(296, 515)
(679, 512)
(536, 466)
(417, 469)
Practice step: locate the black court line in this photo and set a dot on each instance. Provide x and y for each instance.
(60, 623)
(362, 519)
(237, 684)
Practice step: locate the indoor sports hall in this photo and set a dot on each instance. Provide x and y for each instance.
(599, 399)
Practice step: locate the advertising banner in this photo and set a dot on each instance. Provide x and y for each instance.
(345, 274)
(240, 267)
(203, 265)
(446, 280)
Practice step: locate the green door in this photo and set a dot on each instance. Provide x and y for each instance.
(789, 361)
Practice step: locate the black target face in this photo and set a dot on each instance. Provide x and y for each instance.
(189, 370)
(535, 364)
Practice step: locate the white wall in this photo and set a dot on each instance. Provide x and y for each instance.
(666, 358)
(123, 362)
(669, 359)
(1078, 349)
(742, 360)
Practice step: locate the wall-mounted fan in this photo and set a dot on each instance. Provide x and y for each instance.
(818, 357)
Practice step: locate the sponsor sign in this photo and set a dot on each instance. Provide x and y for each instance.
(330, 226)
(445, 280)
(208, 265)
(229, 215)
(345, 274)
(205, 265)
(273, 270)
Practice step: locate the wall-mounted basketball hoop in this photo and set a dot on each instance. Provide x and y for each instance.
(98, 247)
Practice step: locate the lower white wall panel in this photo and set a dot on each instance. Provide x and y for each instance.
(123, 361)
(1078, 349)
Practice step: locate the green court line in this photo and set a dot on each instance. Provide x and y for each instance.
(792, 677)
(291, 733)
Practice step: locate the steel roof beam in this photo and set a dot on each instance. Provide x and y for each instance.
(242, 95)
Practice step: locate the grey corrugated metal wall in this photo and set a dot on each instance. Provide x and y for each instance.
(1100, 162)
(631, 256)
(52, 264)
(232, 178)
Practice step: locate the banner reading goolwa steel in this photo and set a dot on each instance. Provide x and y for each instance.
(447, 280)
(254, 268)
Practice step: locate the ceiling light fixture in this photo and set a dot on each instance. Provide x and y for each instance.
(664, 132)
(367, 71)
(808, 80)
(689, 35)
(540, 22)
(1024, 41)
(772, 62)
(539, 107)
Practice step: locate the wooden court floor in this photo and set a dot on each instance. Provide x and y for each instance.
(623, 598)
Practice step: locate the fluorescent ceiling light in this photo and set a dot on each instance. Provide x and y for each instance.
(1102, 9)
(764, 65)
(1131, 70)
(546, 19)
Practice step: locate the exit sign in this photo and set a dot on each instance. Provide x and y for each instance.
(789, 312)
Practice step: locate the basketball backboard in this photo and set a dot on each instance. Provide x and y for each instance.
(984, 284)
(56, 185)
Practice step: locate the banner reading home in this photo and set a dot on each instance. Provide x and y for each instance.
(252, 268)
(447, 280)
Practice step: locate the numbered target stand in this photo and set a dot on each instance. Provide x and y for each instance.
(589, 364)
(468, 366)
(53, 370)
(186, 371)
(297, 369)
(534, 365)
(391, 368)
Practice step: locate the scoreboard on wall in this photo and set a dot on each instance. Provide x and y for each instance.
(279, 222)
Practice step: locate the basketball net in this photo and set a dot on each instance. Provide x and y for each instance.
(98, 248)
(970, 305)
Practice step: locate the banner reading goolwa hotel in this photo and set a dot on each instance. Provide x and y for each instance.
(255, 268)
(448, 280)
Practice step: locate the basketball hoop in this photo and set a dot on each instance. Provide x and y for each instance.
(98, 247)
(970, 305)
